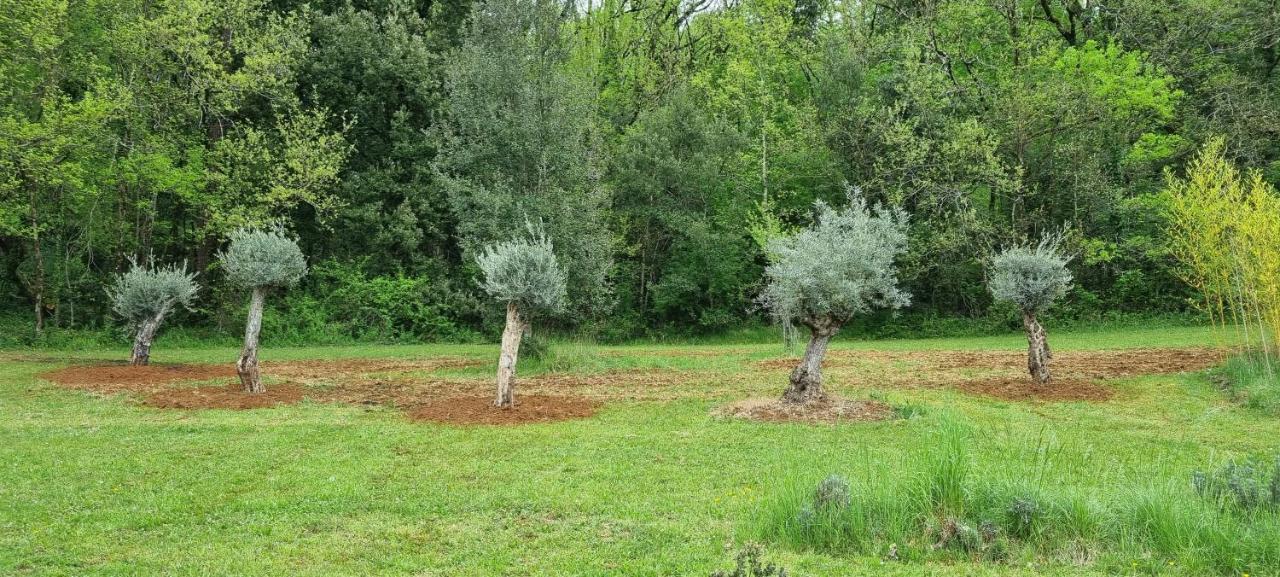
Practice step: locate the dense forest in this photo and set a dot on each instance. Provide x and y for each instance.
(659, 143)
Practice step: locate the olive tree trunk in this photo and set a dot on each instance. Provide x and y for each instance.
(142, 341)
(247, 366)
(1038, 353)
(806, 378)
(511, 335)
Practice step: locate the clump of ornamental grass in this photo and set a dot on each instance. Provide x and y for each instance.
(1032, 277)
(144, 295)
(259, 260)
(525, 275)
(823, 276)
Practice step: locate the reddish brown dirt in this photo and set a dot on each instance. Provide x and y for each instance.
(831, 411)
(1090, 364)
(1086, 364)
(1078, 375)
(230, 396)
(121, 377)
(117, 378)
(1023, 389)
(480, 410)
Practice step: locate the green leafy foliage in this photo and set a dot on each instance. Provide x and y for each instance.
(662, 143)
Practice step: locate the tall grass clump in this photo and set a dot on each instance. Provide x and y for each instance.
(1223, 521)
(1252, 380)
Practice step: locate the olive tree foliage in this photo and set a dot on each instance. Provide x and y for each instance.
(842, 266)
(144, 295)
(259, 260)
(263, 258)
(525, 274)
(1032, 277)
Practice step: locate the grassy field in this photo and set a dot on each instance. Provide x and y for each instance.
(653, 484)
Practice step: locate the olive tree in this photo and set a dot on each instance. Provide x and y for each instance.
(1032, 277)
(259, 260)
(525, 274)
(144, 296)
(841, 266)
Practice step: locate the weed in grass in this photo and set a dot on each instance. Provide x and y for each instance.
(1024, 514)
(832, 494)
(1247, 485)
(750, 562)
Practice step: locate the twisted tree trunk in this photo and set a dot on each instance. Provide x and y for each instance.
(806, 378)
(142, 341)
(511, 334)
(1038, 353)
(247, 366)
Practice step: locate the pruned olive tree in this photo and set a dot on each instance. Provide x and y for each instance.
(144, 296)
(822, 276)
(259, 260)
(525, 274)
(1032, 277)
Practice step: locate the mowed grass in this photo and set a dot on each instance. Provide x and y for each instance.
(101, 486)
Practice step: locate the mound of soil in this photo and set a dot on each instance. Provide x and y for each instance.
(230, 396)
(528, 409)
(833, 410)
(1024, 389)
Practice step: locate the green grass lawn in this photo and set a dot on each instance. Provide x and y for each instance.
(101, 486)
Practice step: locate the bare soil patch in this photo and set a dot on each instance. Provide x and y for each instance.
(833, 410)
(121, 377)
(1024, 389)
(528, 409)
(1106, 364)
(1090, 364)
(231, 396)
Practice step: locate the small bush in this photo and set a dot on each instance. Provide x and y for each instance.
(1247, 486)
(1023, 514)
(832, 494)
(750, 563)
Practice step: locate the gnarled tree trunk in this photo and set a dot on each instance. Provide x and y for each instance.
(806, 378)
(142, 341)
(1038, 353)
(247, 366)
(511, 334)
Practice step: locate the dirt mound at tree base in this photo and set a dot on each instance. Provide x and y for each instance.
(832, 410)
(230, 396)
(480, 410)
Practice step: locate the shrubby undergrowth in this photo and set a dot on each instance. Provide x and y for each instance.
(1221, 522)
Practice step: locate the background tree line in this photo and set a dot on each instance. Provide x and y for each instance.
(661, 143)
